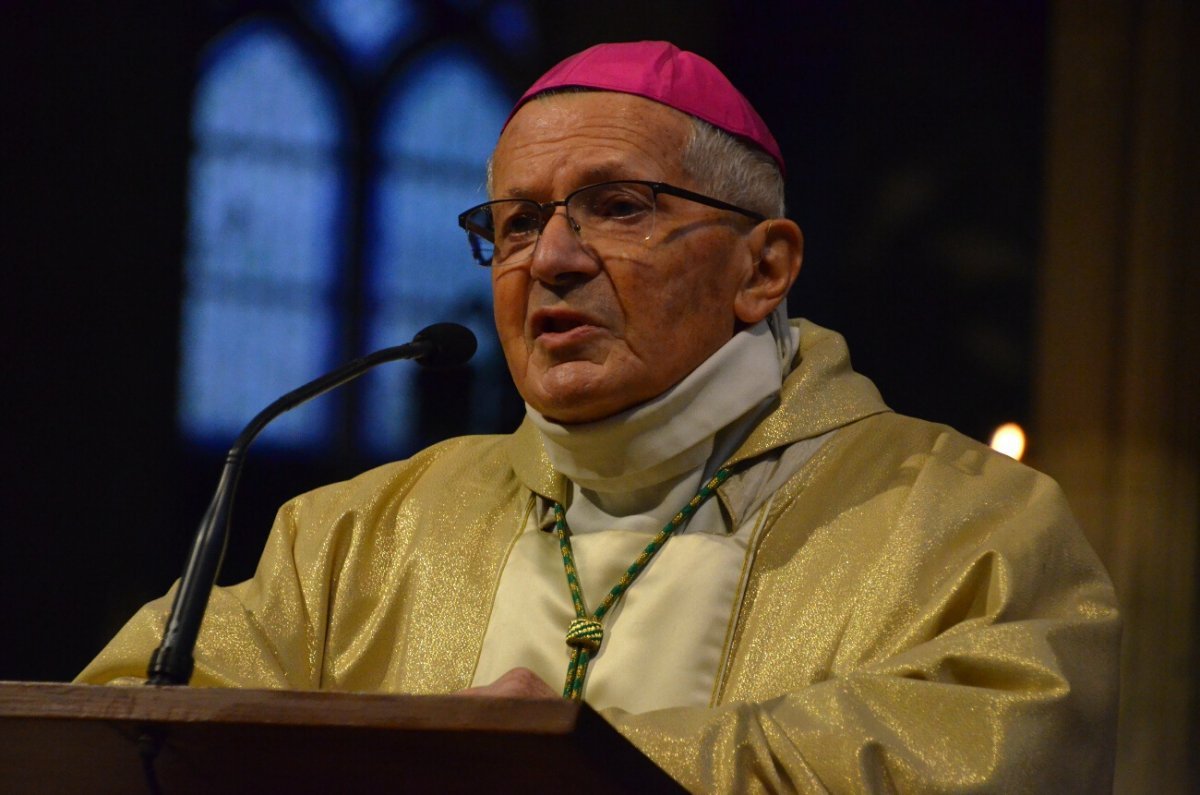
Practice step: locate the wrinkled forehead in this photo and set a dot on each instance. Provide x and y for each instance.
(574, 138)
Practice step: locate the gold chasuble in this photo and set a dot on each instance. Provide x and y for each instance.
(920, 614)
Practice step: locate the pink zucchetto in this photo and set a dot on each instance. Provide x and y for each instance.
(660, 71)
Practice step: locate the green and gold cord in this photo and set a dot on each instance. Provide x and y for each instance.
(586, 633)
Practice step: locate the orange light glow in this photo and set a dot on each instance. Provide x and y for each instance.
(1009, 439)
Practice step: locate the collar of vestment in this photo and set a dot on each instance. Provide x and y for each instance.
(821, 393)
(676, 432)
(634, 471)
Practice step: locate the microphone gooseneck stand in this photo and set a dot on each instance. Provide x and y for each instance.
(439, 345)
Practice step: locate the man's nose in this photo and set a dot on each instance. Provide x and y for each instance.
(560, 254)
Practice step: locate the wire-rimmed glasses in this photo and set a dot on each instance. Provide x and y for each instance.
(506, 231)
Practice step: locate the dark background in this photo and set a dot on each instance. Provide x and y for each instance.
(913, 134)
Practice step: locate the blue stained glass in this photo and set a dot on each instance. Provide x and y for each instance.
(447, 108)
(438, 129)
(263, 222)
(368, 30)
(240, 356)
(259, 86)
(420, 253)
(264, 236)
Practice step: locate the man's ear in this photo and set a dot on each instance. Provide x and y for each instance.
(777, 249)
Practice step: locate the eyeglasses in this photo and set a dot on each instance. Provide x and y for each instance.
(506, 231)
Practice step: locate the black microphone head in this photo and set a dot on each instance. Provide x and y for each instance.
(451, 344)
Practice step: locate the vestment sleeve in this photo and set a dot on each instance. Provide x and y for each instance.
(353, 591)
(260, 633)
(965, 642)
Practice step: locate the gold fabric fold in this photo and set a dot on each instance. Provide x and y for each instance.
(381, 583)
(921, 614)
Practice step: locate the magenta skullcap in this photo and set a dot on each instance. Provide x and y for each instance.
(660, 71)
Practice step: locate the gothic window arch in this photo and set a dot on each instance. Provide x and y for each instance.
(434, 121)
(263, 238)
(332, 149)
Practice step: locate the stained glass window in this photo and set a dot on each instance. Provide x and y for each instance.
(439, 124)
(368, 32)
(322, 217)
(264, 238)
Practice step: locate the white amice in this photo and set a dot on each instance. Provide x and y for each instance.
(665, 641)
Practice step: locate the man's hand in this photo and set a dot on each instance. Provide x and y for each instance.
(517, 683)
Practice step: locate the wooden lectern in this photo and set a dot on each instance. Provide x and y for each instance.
(85, 739)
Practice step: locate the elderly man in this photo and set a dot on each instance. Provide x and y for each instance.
(709, 527)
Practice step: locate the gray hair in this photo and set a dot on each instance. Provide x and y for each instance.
(725, 167)
(732, 171)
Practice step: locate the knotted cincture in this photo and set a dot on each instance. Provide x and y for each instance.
(585, 634)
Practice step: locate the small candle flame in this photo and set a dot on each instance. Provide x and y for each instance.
(1009, 439)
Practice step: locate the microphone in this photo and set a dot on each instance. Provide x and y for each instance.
(449, 345)
(439, 345)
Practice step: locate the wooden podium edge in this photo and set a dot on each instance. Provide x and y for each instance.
(152, 704)
(96, 720)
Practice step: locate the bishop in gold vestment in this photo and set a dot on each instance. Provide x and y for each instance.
(904, 610)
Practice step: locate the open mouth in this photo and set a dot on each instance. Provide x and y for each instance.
(558, 323)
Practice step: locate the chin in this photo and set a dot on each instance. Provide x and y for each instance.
(575, 392)
(577, 405)
(570, 411)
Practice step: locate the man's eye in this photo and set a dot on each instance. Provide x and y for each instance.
(619, 204)
(520, 224)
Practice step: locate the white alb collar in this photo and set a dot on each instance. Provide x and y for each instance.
(677, 433)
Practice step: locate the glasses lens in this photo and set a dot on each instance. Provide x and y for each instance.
(614, 210)
(481, 248)
(478, 223)
(515, 227)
